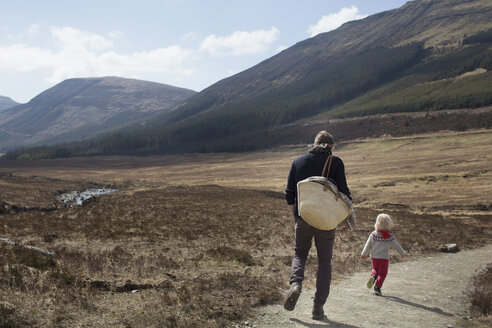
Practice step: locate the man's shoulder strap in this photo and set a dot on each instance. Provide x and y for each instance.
(327, 163)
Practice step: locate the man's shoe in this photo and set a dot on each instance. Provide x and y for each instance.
(371, 282)
(318, 313)
(377, 291)
(293, 296)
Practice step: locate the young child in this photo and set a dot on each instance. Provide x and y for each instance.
(378, 245)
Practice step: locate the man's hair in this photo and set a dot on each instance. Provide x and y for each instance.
(323, 137)
(383, 222)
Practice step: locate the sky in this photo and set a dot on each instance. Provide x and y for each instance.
(186, 43)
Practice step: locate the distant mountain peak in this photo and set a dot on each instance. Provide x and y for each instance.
(6, 103)
(80, 107)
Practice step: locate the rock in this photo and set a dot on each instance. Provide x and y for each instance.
(449, 248)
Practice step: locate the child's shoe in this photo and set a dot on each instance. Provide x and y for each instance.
(371, 282)
(377, 291)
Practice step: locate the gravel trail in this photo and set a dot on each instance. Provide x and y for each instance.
(425, 292)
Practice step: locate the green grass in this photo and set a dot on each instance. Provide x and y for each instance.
(408, 94)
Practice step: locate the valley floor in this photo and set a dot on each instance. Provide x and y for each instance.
(202, 240)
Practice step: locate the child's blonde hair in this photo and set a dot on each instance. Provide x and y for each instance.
(383, 222)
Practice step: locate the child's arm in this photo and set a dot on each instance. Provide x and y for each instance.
(398, 247)
(367, 248)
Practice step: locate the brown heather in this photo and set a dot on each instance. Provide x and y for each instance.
(200, 240)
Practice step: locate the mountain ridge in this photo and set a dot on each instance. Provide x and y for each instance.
(87, 104)
(349, 38)
(388, 55)
(6, 103)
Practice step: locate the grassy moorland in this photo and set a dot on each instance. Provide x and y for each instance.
(198, 240)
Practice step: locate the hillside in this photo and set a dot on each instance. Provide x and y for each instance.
(6, 103)
(427, 55)
(437, 25)
(78, 108)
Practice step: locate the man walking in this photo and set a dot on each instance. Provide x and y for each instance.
(311, 164)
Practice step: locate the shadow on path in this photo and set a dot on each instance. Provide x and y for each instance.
(420, 306)
(323, 323)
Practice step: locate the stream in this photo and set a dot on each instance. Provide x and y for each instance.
(74, 198)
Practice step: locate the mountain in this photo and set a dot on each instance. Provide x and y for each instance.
(6, 103)
(440, 25)
(425, 56)
(83, 107)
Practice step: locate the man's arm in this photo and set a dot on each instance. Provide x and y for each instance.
(342, 180)
(291, 191)
(293, 211)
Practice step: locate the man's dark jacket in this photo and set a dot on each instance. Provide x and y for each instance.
(310, 165)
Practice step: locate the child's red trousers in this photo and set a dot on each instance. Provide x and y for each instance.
(379, 270)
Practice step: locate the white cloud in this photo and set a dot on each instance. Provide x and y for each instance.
(71, 38)
(240, 42)
(116, 35)
(333, 21)
(22, 58)
(77, 53)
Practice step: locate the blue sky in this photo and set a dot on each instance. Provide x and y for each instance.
(186, 43)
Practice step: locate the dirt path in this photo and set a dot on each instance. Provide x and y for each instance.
(428, 292)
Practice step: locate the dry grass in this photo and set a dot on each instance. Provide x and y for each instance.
(443, 172)
(171, 249)
(481, 301)
(481, 298)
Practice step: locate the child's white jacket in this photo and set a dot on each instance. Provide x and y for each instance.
(379, 247)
